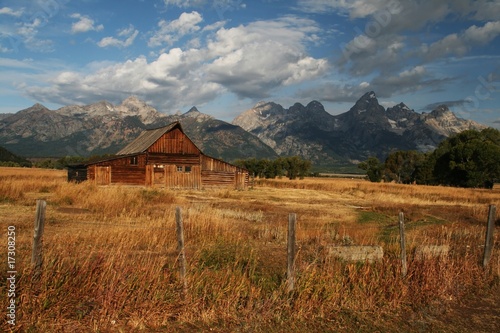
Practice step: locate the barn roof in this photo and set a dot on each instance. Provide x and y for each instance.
(147, 138)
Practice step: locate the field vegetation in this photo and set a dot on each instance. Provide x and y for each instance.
(111, 264)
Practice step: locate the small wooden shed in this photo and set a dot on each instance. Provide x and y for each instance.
(166, 157)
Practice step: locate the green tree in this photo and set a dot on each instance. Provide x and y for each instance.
(373, 168)
(469, 159)
(403, 166)
(292, 167)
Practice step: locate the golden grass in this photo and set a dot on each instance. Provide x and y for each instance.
(110, 259)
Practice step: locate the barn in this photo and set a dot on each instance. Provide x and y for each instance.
(165, 157)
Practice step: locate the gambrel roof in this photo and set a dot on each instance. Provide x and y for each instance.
(147, 138)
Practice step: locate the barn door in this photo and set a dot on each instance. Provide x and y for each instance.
(103, 175)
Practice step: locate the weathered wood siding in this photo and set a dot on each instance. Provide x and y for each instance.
(102, 175)
(185, 159)
(131, 175)
(212, 164)
(215, 172)
(122, 170)
(174, 142)
(180, 179)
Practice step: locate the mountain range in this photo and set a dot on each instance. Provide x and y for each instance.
(265, 131)
(367, 129)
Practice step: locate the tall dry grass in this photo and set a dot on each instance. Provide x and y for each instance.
(110, 259)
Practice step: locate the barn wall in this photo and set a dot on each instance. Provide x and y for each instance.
(186, 159)
(121, 171)
(181, 179)
(128, 175)
(215, 172)
(174, 142)
(212, 164)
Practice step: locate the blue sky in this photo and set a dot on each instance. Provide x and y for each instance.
(224, 56)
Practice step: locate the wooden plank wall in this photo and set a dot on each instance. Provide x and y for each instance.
(176, 179)
(103, 175)
(174, 142)
(185, 159)
(217, 178)
(212, 164)
(132, 175)
(219, 173)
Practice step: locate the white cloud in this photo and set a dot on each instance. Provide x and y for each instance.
(129, 33)
(84, 24)
(27, 33)
(251, 61)
(460, 44)
(353, 8)
(11, 12)
(185, 3)
(171, 81)
(254, 59)
(170, 32)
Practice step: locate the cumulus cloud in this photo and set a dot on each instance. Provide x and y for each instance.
(129, 33)
(170, 32)
(382, 43)
(84, 24)
(249, 60)
(165, 81)
(9, 11)
(363, 55)
(460, 44)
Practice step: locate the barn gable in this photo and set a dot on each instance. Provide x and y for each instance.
(169, 139)
(166, 157)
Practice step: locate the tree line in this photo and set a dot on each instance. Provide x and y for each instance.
(468, 159)
(291, 167)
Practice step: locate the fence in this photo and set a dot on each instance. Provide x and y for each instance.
(349, 253)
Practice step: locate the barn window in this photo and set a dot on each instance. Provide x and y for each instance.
(187, 168)
(133, 160)
(179, 168)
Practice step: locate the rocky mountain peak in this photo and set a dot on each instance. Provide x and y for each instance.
(37, 107)
(367, 103)
(194, 113)
(193, 110)
(400, 112)
(441, 111)
(133, 106)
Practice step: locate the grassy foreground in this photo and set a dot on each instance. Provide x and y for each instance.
(110, 259)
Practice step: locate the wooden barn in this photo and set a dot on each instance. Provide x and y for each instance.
(166, 157)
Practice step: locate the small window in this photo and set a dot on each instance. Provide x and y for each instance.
(133, 160)
(187, 168)
(179, 168)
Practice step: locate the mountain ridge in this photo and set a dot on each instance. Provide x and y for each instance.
(104, 128)
(366, 129)
(267, 130)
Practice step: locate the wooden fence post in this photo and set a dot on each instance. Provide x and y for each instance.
(490, 228)
(403, 243)
(36, 255)
(180, 247)
(290, 273)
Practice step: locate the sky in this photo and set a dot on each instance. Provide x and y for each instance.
(224, 56)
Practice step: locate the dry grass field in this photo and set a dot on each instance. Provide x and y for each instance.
(110, 258)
